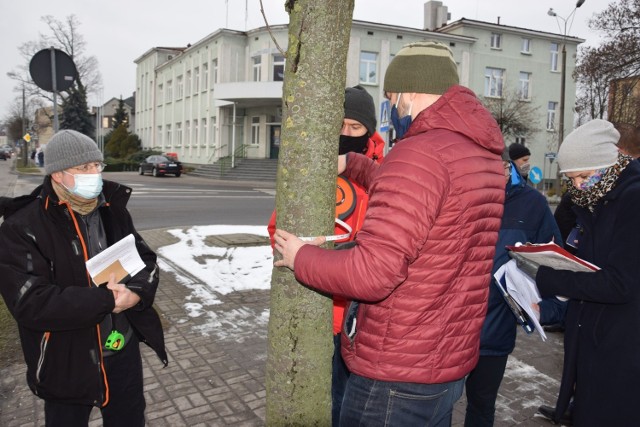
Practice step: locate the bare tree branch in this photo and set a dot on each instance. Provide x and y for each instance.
(269, 29)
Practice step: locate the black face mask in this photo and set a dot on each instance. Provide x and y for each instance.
(355, 144)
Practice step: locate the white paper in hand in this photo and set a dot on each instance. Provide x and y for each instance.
(523, 289)
(121, 258)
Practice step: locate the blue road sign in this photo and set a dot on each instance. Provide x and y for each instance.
(384, 115)
(535, 175)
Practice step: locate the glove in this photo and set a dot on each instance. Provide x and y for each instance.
(528, 267)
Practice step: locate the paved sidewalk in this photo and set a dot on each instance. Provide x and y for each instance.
(218, 379)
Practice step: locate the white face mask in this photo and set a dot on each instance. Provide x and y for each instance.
(87, 185)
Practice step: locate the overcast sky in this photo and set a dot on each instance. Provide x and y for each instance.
(118, 31)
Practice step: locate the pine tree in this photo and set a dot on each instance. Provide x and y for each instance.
(120, 116)
(75, 113)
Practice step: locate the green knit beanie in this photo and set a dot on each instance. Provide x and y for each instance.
(422, 67)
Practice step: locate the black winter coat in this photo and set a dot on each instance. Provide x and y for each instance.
(47, 290)
(602, 336)
(526, 218)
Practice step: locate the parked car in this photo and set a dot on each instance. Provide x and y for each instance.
(6, 152)
(160, 165)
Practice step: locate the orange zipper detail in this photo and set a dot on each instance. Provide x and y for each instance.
(86, 257)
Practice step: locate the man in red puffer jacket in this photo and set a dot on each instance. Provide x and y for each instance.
(420, 269)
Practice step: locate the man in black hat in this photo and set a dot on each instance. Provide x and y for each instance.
(519, 154)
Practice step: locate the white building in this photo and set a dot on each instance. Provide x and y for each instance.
(223, 94)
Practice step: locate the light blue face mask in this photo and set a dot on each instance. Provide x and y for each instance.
(401, 125)
(87, 185)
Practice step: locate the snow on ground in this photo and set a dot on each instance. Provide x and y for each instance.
(215, 271)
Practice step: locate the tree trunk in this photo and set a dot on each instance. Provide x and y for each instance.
(298, 377)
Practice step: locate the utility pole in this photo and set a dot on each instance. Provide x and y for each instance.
(25, 143)
(563, 73)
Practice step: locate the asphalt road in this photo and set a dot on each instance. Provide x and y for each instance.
(173, 202)
(168, 201)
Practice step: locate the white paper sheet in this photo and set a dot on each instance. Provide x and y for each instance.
(523, 290)
(121, 258)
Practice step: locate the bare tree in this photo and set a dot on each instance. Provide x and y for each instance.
(13, 121)
(593, 85)
(63, 35)
(515, 115)
(617, 58)
(300, 327)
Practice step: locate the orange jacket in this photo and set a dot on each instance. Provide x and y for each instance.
(375, 151)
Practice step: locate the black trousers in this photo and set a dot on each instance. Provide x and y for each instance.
(482, 390)
(126, 397)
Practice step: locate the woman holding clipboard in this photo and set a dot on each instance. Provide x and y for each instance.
(602, 328)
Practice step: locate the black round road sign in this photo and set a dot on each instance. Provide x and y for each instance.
(41, 73)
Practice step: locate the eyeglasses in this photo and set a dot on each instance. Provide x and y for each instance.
(97, 166)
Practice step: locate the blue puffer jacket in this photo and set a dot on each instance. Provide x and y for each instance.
(526, 218)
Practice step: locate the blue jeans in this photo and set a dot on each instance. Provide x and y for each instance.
(339, 378)
(369, 402)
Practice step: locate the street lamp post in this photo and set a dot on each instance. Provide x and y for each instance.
(563, 73)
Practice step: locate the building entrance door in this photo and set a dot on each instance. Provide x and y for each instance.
(274, 137)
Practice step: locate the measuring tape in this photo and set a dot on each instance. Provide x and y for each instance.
(342, 224)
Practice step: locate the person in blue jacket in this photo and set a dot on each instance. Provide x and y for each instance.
(526, 218)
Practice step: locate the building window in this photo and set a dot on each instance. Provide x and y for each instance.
(205, 76)
(196, 80)
(188, 83)
(554, 56)
(214, 122)
(215, 71)
(551, 116)
(520, 140)
(187, 133)
(368, 67)
(179, 134)
(160, 136)
(278, 68)
(168, 94)
(496, 41)
(196, 132)
(204, 132)
(149, 102)
(255, 130)
(160, 94)
(179, 87)
(493, 82)
(525, 83)
(167, 140)
(257, 68)
(526, 46)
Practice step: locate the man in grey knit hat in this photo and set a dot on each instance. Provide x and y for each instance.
(80, 339)
(435, 208)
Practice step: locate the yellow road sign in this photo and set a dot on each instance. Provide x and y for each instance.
(27, 137)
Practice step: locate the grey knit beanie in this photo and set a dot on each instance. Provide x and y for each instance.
(358, 105)
(592, 146)
(68, 148)
(422, 67)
